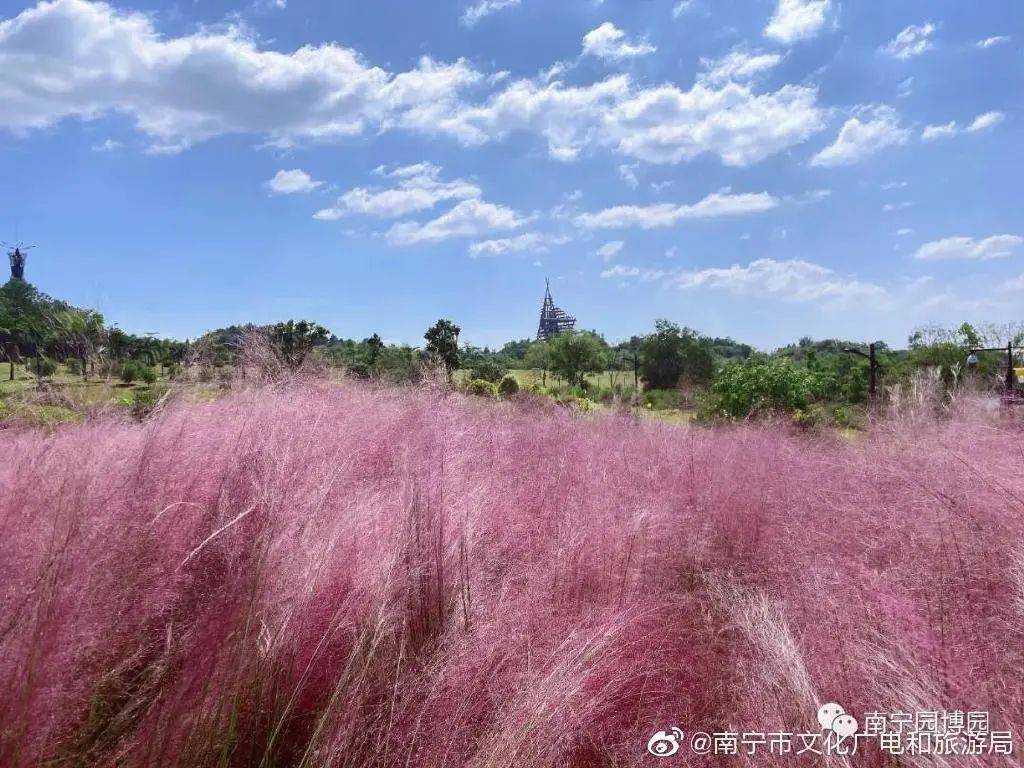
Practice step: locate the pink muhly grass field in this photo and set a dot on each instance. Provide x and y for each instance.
(353, 576)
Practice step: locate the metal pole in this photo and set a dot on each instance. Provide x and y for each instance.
(874, 370)
(1009, 366)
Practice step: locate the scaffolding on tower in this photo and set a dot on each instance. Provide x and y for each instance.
(553, 320)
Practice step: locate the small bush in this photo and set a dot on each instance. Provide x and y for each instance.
(481, 388)
(811, 416)
(583, 404)
(661, 399)
(145, 400)
(44, 367)
(133, 370)
(487, 370)
(508, 386)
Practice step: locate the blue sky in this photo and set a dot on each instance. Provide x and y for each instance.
(765, 169)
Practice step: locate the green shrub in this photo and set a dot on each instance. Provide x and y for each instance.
(508, 386)
(44, 366)
(482, 388)
(133, 370)
(661, 399)
(487, 370)
(811, 416)
(584, 405)
(747, 388)
(145, 400)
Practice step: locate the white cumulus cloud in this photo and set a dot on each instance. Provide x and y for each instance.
(936, 132)
(470, 218)
(292, 182)
(76, 59)
(912, 41)
(669, 214)
(121, 64)
(610, 42)
(968, 248)
(796, 20)
(858, 139)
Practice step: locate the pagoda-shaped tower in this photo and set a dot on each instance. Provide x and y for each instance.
(553, 320)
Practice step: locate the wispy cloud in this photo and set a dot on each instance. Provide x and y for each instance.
(474, 13)
(418, 188)
(737, 66)
(911, 42)
(610, 250)
(669, 214)
(790, 280)
(532, 242)
(968, 248)
(948, 130)
(858, 138)
(470, 218)
(988, 42)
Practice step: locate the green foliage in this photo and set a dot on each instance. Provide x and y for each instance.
(509, 385)
(584, 404)
(745, 388)
(44, 367)
(482, 388)
(516, 350)
(443, 344)
(134, 370)
(397, 365)
(488, 370)
(294, 340)
(538, 356)
(574, 354)
(660, 399)
(143, 401)
(672, 355)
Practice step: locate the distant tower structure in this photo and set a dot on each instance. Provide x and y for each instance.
(17, 257)
(553, 320)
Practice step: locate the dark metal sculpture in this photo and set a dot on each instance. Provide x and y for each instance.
(17, 257)
(553, 320)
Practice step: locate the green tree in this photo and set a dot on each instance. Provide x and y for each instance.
(443, 344)
(373, 346)
(294, 340)
(79, 333)
(538, 357)
(25, 322)
(672, 354)
(574, 354)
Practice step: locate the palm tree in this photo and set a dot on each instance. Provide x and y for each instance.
(79, 331)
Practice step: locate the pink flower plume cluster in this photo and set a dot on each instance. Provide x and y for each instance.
(355, 576)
